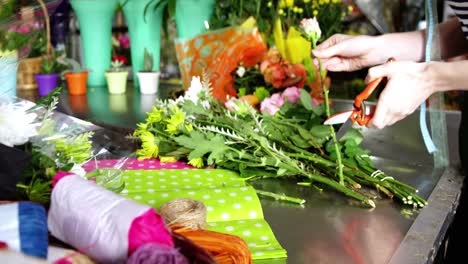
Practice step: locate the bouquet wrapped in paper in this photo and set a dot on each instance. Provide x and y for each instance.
(219, 53)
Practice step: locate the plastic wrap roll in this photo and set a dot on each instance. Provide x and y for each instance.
(108, 227)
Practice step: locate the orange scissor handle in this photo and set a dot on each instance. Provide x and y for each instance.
(359, 113)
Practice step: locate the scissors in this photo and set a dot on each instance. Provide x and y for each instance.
(360, 114)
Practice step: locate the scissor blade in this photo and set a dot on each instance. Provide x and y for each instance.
(344, 128)
(339, 118)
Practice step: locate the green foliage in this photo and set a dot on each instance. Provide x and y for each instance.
(233, 12)
(261, 93)
(71, 65)
(111, 179)
(148, 61)
(204, 144)
(8, 9)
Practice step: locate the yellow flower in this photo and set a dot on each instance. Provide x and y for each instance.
(282, 4)
(197, 162)
(306, 1)
(300, 10)
(141, 127)
(295, 9)
(280, 11)
(350, 8)
(167, 159)
(289, 3)
(270, 4)
(176, 119)
(315, 12)
(155, 116)
(149, 148)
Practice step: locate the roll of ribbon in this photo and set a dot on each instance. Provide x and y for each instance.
(23, 227)
(108, 226)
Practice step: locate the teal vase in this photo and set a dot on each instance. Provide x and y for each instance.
(145, 32)
(8, 73)
(95, 19)
(191, 16)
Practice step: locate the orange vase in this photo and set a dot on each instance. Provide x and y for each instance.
(76, 82)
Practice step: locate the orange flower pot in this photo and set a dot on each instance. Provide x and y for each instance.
(76, 82)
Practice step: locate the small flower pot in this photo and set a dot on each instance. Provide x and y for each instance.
(117, 82)
(46, 83)
(76, 82)
(149, 82)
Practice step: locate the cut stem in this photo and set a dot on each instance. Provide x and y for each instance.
(332, 130)
(281, 197)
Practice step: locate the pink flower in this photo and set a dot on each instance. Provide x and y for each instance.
(272, 104)
(292, 94)
(315, 102)
(124, 42)
(311, 27)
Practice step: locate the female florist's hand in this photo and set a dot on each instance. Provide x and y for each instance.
(350, 53)
(409, 84)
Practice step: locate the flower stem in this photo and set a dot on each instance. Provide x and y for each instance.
(281, 197)
(332, 130)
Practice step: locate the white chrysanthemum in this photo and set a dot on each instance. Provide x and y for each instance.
(193, 92)
(196, 93)
(16, 126)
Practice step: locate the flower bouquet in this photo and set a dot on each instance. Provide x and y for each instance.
(283, 142)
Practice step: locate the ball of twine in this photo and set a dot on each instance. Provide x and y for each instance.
(184, 212)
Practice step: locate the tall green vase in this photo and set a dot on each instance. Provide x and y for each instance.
(145, 32)
(8, 73)
(191, 16)
(95, 18)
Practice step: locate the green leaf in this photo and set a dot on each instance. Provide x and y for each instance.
(202, 145)
(306, 100)
(321, 131)
(262, 93)
(242, 92)
(352, 134)
(310, 70)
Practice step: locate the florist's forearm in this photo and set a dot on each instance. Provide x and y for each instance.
(452, 39)
(408, 46)
(411, 45)
(448, 76)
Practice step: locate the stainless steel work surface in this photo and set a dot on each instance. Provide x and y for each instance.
(330, 228)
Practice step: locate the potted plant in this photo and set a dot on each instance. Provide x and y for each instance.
(149, 79)
(76, 76)
(144, 28)
(117, 78)
(47, 77)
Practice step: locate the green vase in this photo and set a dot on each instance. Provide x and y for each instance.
(8, 73)
(95, 19)
(191, 16)
(145, 32)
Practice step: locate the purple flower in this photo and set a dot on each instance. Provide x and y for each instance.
(124, 42)
(292, 94)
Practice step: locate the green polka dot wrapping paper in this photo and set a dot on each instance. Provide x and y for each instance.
(232, 206)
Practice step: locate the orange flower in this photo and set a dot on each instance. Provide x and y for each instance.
(275, 74)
